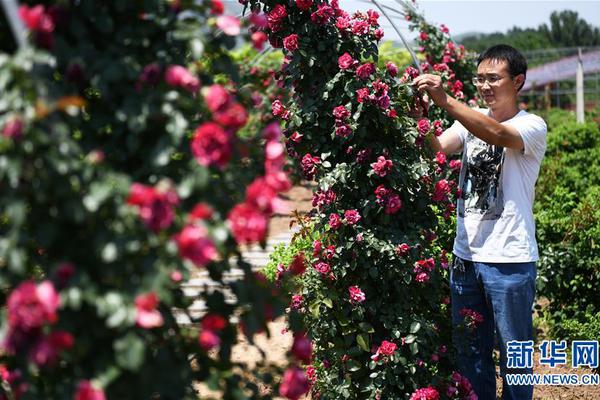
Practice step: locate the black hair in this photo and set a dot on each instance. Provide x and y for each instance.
(517, 64)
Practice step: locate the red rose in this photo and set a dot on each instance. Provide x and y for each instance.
(352, 217)
(392, 69)
(216, 97)
(383, 166)
(86, 391)
(356, 295)
(45, 352)
(423, 126)
(201, 211)
(247, 224)
(216, 7)
(360, 27)
(341, 112)
(423, 36)
(455, 165)
(345, 61)
(304, 5)
(323, 14)
(261, 196)
(387, 348)
(298, 264)
(441, 190)
(322, 267)
(302, 348)
(179, 76)
(30, 306)
(208, 339)
(440, 158)
(362, 95)
(155, 206)
(402, 249)
(334, 221)
(365, 70)
(294, 384)
(233, 116)
(258, 39)
(13, 129)
(213, 322)
(146, 314)
(393, 204)
(211, 145)
(343, 130)
(276, 17)
(428, 393)
(290, 43)
(195, 246)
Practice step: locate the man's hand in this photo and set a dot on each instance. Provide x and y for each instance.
(433, 85)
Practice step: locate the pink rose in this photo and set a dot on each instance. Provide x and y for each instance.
(278, 108)
(302, 348)
(351, 217)
(297, 301)
(155, 206)
(343, 130)
(362, 95)
(13, 129)
(334, 221)
(194, 245)
(455, 165)
(258, 39)
(247, 224)
(373, 17)
(36, 18)
(365, 70)
(260, 21)
(261, 196)
(342, 23)
(323, 14)
(30, 306)
(322, 267)
(402, 249)
(360, 27)
(211, 145)
(146, 314)
(216, 97)
(229, 25)
(341, 112)
(423, 126)
(428, 393)
(383, 166)
(441, 190)
(387, 348)
(392, 69)
(179, 76)
(200, 212)
(423, 36)
(440, 158)
(345, 61)
(444, 29)
(308, 165)
(86, 391)
(356, 295)
(393, 204)
(208, 339)
(294, 384)
(290, 43)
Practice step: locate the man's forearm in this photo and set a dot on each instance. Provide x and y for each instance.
(434, 142)
(482, 126)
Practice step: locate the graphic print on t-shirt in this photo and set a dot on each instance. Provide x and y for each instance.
(481, 180)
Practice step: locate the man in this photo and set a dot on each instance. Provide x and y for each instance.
(495, 249)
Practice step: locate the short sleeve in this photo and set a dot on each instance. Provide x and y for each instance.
(533, 131)
(460, 130)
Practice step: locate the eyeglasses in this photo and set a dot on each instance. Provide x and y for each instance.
(493, 80)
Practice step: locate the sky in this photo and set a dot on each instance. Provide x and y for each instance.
(483, 16)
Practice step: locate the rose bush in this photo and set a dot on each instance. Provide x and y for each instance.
(123, 171)
(373, 293)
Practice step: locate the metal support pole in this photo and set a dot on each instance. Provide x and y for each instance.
(16, 25)
(579, 88)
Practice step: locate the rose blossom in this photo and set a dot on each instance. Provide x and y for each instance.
(258, 39)
(402, 249)
(356, 295)
(276, 17)
(360, 27)
(86, 391)
(378, 33)
(341, 112)
(365, 70)
(423, 36)
(297, 301)
(323, 14)
(441, 191)
(155, 206)
(30, 306)
(290, 43)
(385, 349)
(322, 267)
(146, 314)
(179, 76)
(46, 350)
(440, 158)
(393, 204)
(423, 126)
(233, 116)
(382, 166)
(211, 145)
(302, 348)
(216, 7)
(455, 165)
(428, 393)
(343, 130)
(352, 217)
(216, 97)
(298, 264)
(294, 383)
(247, 224)
(304, 5)
(195, 246)
(230, 25)
(13, 129)
(260, 195)
(208, 339)
(346, 61)
(308, 165)
(201, 211)
(391, 68)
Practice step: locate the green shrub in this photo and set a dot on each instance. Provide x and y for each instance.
(284, 254)
(572, 136)
(573, 329)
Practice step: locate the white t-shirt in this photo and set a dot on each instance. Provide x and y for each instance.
(495, 214)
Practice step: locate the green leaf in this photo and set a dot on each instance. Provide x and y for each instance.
(414, 327)
(130, 352)
(366, 327)
(409, 339)
(328, 302)
(363, 341)
(314, 309)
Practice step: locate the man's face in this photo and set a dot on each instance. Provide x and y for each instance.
(499, 89)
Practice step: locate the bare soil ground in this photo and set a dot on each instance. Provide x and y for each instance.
(276, 347)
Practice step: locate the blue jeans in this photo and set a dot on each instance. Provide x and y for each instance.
(503, 293)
